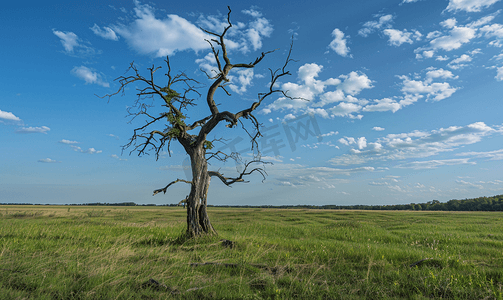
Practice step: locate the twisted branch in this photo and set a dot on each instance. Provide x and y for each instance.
(164, 189)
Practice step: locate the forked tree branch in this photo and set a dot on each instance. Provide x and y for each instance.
(164, 189)
(231, 180)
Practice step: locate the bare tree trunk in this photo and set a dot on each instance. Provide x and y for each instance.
(198, 222)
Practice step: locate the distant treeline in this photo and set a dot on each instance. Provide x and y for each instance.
(494, 203)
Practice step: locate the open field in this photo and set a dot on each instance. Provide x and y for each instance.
(81, 252)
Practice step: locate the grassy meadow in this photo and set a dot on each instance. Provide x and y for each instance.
(81, 252)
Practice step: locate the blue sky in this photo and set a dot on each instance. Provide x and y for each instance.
(405, 99)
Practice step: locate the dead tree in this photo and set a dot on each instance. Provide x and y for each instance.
(176, 96)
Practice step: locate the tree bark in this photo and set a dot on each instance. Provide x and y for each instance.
(198, 222)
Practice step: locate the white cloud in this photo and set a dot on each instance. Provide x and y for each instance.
(345, 109)
(252, 12)
(42, 129)
(493, 30)
(433, 34)
(339, 44)
(449, 23)
(72, 44)
(208, 64)
(360, 142)
(299, 175)
(5, 115)
(433, 164)
(469, 184)
(428, 54)
(149, 35)
(48, 160)
(67, 142)
(89, 76)
(68, 39)
(439, 73)
(88, 151)
(417, 144)
(382, 105)
(469, 5)
(484, 20)
(106, 33)
(499, 74)
(307, 88)
(398, 37)
(377, 128)
(258, 29)
(371, 26)
(330, 133)
(354, 83)
(493, 155)
(240, 83)
(435, 91)
(458, 63)
(456, 38)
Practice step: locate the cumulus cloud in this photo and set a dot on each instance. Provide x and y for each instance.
(148, 34)
(330, 133)
(69, 40)
(88, 151)
(240, 83)
(382, 105)
(398, 37)
(469, 5)
(42, 129)
(160, 37)
(259, 29)
(5, 115)
(339, 44)
(413, 90)
(309, 87)
(499, 74)
(493, 30)
(72, 44)
(106, 33)
(459, 62)
(449, 23)
(434, 91)
(371, 26)
(454, 40)
(89, 76)
(345, 109)
(354, 83)
(67, 142)
(360, 142)
(416, 144)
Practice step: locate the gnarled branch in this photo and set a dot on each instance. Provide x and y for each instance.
(230, 180)
(164, 189)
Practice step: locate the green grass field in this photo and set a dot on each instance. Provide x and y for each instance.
(79, 252)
